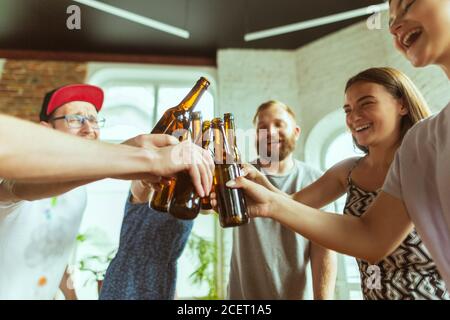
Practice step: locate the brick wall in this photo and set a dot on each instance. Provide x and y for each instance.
(23, 84)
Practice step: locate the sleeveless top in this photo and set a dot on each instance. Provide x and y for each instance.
(408, 273)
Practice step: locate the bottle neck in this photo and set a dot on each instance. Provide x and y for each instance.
(222, 150)
(190, 101)
(206, 138)
(196, 127)
(231, 137)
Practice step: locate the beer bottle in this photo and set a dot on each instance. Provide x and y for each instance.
(231, 202)
(196, 127)
(206, 139)
(167, 124)
(160, 199)
(185, 203)
(230, 131)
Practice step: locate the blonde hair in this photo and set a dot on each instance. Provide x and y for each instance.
(268, 104)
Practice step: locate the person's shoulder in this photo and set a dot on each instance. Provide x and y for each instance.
(340, 169)
(430, 129)
(307, 169)
(8, 208)
(345, 165)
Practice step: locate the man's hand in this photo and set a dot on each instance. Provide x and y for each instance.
(186, 156)
(172, 157)
(148, 141)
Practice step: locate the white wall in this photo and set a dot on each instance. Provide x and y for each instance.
(312, 78)
(246, 78)
(324, 67)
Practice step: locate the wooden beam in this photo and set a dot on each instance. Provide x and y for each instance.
(106, 57)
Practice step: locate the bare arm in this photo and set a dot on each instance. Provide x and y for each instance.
(66, 286)
(329, 187)
(371, 238)
(324, 272)
(320, 193)
(11, 190)
(33, 153)
(140, 191)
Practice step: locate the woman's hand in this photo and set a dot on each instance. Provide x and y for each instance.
(253, 174)
(261, 202)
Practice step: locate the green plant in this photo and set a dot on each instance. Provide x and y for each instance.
(96, 265)
(100, 254)
(205, 251)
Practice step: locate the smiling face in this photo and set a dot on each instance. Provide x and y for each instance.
(86, 130)
(277, 133)
(373, 115)
(421, 30)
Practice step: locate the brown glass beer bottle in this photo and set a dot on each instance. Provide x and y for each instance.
(206, 139)
(185, 203)
(231, 202)
(187, 105)
(167, 124)
(160, 199)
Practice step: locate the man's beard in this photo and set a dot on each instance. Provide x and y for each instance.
(268, 155)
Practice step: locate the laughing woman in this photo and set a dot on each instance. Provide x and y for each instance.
(417, 186)
(381, 105)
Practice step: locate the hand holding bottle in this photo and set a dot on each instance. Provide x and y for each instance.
(261, 202)
(186, 156)
(171, 157)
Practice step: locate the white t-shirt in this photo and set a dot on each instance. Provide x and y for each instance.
(420, 176)
(36, 239)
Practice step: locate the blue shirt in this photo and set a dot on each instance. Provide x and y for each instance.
(145, 265)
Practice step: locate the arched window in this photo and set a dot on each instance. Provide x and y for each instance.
(135, 98)
(329, 143)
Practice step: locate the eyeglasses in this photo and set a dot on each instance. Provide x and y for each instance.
(76, 121)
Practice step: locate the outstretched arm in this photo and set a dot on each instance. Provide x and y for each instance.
(33, 153)
(12, 190)
(372, 237)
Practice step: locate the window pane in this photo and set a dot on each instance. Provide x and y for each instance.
(171, 96)
(341, 148)
(128, 111)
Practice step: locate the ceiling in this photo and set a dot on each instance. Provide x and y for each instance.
(213, 24)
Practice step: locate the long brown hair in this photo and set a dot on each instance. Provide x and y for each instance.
(400, 87)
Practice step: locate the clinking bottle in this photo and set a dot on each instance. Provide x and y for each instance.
(206, 139)
(167, 124)
(185, 203)
(160, 199)
(231, 202)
